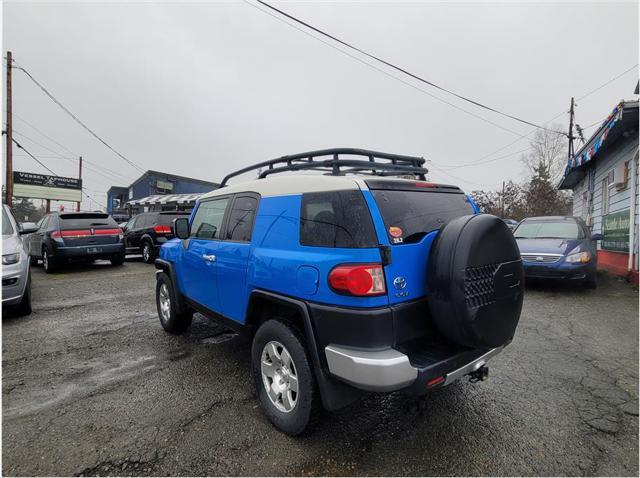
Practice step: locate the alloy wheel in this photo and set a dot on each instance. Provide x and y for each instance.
(165, 302)
(279, 376)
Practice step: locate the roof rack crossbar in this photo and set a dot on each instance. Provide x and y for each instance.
(398, 164)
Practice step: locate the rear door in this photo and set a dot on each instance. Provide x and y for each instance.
(35, 239)
(412, 214)
(197, 268)
(233, 256)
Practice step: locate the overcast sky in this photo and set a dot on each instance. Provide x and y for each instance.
(200, 89)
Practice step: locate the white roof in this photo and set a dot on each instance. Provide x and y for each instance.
(292, 184)
(165, 198)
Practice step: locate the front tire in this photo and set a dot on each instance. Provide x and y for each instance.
(171, 320)
(283, 377)
(148, 253)
(24, 307)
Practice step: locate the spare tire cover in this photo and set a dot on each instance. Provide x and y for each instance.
(476, 281)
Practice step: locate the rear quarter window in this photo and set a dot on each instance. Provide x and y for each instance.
(336, 219)
(409, 215)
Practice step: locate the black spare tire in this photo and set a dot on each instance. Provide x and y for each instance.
(476, 281)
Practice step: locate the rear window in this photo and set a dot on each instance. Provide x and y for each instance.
(167, 219)
(84, 221)
(336, 219)
(409, 215)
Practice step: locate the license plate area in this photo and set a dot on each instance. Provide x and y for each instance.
(94, 250)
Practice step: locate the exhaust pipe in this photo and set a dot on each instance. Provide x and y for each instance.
(479, 375)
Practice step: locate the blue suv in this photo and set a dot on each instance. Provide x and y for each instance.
(346, 282)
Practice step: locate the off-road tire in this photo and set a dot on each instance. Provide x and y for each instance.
(148, 252)
(301, 418)
(171, 320)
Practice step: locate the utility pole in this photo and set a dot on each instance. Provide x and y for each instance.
(9, 178)
(502, 201)
(571, 152)
(80, 178)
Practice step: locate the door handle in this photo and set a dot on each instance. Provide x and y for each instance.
(209, 257)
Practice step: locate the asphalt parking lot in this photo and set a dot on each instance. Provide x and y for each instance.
(92, 385)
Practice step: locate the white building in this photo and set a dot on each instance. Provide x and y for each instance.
(603, 175)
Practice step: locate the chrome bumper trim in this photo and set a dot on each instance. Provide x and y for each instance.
(378, 371)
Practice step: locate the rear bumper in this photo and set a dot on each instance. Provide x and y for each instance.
(389, 370)
(96, 251)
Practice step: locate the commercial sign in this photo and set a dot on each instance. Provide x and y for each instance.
(615, 228)
(42, 186)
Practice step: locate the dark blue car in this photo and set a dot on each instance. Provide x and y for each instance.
(558, 247)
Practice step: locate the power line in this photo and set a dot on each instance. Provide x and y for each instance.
(50, 170)
(45, 135)
(401, 70)
(96, 168)
(77, 120)
(610, 81)
(384, 72)
(479, 160)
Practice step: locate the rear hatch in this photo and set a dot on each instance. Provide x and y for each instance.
(88, 229)
(413, 212)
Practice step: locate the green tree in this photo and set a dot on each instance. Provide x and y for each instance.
(24, 210)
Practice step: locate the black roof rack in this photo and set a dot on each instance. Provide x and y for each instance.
(394, 165)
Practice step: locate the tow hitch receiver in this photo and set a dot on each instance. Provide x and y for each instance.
(479, 375)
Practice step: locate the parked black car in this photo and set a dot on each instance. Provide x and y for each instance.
(82, 236)
(146, 232)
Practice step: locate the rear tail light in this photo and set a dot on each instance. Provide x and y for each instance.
(358, 279)
(70, 234)
(162, 229)
(110, 232)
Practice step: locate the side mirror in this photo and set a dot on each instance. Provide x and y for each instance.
(597, 237)
(181, 227)
(27, 228)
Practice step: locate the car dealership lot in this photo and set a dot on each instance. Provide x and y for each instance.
(93, 385)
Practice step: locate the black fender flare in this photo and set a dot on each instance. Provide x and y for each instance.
(146, 237)
(169, 269)
(333, 393)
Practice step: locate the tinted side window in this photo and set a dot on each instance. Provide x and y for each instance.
(241, 219)
(207, 223)
(336, 219)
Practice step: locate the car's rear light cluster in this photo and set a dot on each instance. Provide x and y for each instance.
(71, 233)
(358, 279)
(77, 233)
(108, 232)
(162, 229)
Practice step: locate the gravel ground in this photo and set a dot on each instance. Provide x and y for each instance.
(92, 385)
